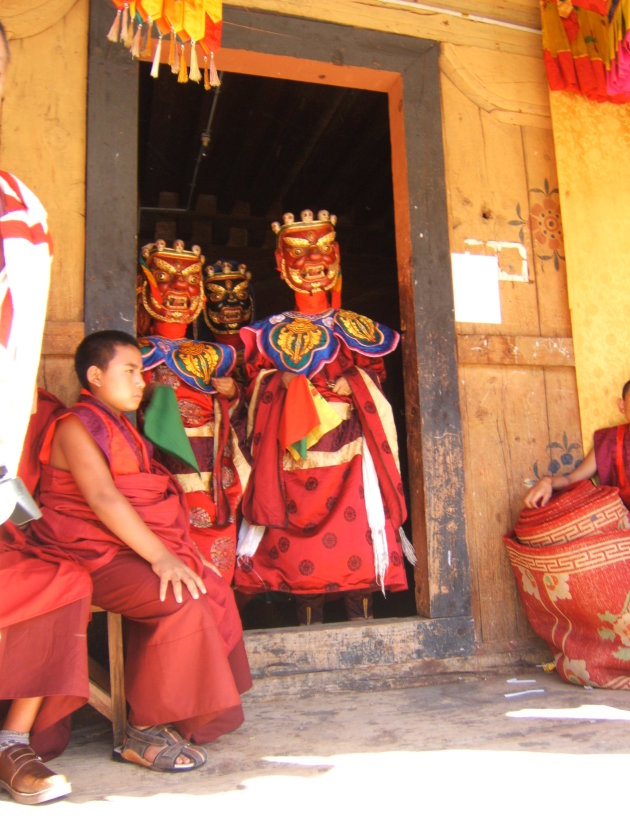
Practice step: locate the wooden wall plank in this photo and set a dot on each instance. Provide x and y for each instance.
(25, 18)
(61, 338)
(513, 88)
(43, 137)
(56, 374)
(504, 414)
(547, 262)
(563, 423)
(486, 182)
(514, 350)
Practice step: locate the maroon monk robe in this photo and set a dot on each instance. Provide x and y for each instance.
(612, 456)
(44, 610)
(185, 663)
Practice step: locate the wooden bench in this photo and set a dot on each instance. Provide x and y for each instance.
(107, 690)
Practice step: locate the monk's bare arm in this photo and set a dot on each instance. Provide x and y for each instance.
(541, 492)
(74, 449)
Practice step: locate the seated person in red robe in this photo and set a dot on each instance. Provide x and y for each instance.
(44, 610)
(124, 519)
(609, 458)
(44, 599)
(324, 505)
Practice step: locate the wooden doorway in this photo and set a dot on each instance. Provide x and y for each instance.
(216, 168)
(407, 71)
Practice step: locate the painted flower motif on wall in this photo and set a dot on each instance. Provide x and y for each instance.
(545, 223)
(564, 457)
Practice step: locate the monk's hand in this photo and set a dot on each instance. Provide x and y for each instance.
(341, 387)
(224, 385)
(171, 570)
(540, 493)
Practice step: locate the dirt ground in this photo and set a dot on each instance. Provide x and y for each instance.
(510, 754)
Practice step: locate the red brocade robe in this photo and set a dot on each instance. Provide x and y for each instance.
(185, 664)
(44, 611)
(213, 426)
(317, 537)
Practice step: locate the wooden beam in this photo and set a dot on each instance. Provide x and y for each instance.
(338, 647)
(522, 350)
(512, 27)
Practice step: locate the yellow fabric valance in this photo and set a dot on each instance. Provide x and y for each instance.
(192, 29)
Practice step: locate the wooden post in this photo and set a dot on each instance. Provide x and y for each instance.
(112, 180)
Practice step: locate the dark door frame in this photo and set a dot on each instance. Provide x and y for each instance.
(407, 70)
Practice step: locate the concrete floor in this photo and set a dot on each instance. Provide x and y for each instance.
(456, 756)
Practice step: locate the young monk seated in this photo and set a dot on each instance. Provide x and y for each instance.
(123, 518)
(609, 458)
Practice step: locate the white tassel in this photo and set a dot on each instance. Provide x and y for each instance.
(155, 66)
(407, 546)
(114, 30)
(376, 517)
(195, 74)
(125, 23)
(249, 537)
(135, 43)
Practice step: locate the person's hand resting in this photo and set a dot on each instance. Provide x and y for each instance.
(224, 385)
(171, 570)
(540, 493)
(341, 387)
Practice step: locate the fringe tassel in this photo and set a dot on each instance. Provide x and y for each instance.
(375, 516)
(249, 537)
(125, 23)
(130, 36)
(135, 44)
(408, 550)
(114, 30)
(182, 76)
(148, 47)
(171, 52)
(195, 74)
(215, 81)
(206, 76)
(155, 66)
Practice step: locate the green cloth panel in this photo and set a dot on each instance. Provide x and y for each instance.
(163, 426)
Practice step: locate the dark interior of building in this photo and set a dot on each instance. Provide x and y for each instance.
(216, 168)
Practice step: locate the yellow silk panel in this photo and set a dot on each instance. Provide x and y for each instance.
(592, 143)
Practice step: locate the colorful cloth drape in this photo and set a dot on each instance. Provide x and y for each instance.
(587, 47)
(192, 27)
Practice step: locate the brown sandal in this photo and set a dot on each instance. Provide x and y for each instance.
(137, 742)
(27, 779)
